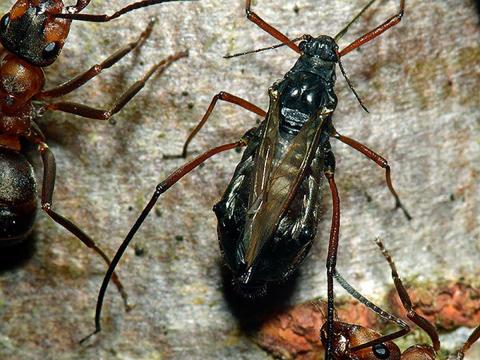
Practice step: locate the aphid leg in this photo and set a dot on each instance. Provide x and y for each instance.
(100, 114)
(253, 17)
(380, 161)
(162, 187)
(420, 321)
(224, 96)
(332, 251)
(394, 20)
(48, 185)
(105, 18)
(95, 70)
(471, 340)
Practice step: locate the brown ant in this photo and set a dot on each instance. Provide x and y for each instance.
(355, 342)
(33, 34)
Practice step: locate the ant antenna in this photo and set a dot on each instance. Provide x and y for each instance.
(345, 29)
(351, 86)
(228, 56)
(74, 11)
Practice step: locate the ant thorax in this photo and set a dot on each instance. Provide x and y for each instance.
(19, 82)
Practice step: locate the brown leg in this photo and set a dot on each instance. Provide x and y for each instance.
(95, 70)
(105, 18)
(224, 96)
(253, 17)
(160, 189)
(471, 340)
(48, 185)
(332, 251)
(394, 20)
(420, 321)
(100, 114)
(380, 161)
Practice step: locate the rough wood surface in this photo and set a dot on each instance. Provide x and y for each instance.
(421, 84)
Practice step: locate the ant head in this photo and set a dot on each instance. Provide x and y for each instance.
(348, 336)
(323, 47)
(31, 31)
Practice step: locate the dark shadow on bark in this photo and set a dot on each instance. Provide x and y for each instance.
(252, 311)
(16, 255)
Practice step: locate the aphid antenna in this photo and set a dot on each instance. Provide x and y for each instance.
(345, 29)
(303, 37)
(350, 85)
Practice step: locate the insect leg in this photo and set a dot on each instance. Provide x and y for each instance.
(332, 251)
(48, 185)
(100, 114)
(471, 340)
(162, 187)
(95, 70)
(420, 321)
(253, 17)
(380, 161)
(394, 20)
(224, 96)
(105, 18)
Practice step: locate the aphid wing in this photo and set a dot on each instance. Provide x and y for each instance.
(265, 154)
(262, 168)
(285, 178)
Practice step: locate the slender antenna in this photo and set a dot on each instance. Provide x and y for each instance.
(351, 86)
(105, 18)
(377, 310)
(228, 56)
(345, 29)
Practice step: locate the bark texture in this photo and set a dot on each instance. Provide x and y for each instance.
(421, 82)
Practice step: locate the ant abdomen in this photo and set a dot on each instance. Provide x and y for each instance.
(18, 197)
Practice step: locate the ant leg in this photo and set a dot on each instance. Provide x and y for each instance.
(162, 187)
(332, 251)
(394, 20)
(224, 96)
(420, 321)
(253, 17)
(100, 114)
(95, 70)
(471, 340)
(105, 18)
(48, 185)
(380, 161)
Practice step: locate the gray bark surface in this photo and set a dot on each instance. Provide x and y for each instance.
(421, 84)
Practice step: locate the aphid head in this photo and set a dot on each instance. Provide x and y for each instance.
(323, 47)
(31, 31)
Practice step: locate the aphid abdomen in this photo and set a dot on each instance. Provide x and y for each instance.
(18, 197)
(293, 237)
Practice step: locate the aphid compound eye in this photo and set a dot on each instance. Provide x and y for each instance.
(4, 23)
(381, 351)
(51, 51)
